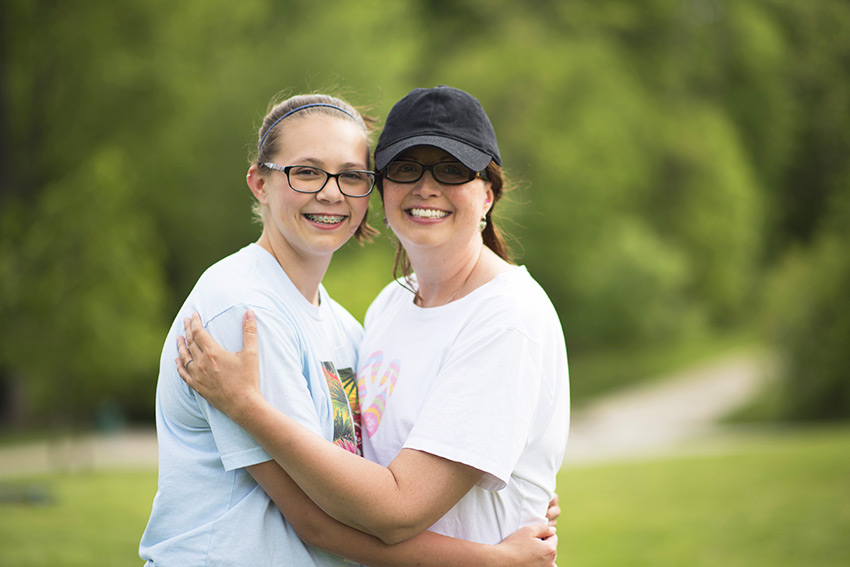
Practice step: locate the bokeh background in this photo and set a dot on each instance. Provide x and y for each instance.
(680, 168)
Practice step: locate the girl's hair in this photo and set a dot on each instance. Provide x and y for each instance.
(493, 237)
(309, 105)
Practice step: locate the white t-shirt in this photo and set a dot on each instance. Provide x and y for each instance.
(208, 509)
(482, 381)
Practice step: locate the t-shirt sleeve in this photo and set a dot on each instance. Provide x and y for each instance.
(282, 382)
(480, 408)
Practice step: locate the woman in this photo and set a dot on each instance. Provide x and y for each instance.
(221, 499)
(462, 386)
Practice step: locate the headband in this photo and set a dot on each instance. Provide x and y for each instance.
(293, 111)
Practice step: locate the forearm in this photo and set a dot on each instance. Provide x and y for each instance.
(424, 550)
(320, 530)
(353, 490)
(430, 549)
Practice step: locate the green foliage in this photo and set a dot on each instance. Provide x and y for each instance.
(84, 262)
(667, 155)
(808, 321)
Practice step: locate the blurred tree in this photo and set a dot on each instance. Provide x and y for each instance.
(818, 74)
(807, 320)
(668, 153)
(82, 293)
(808, 300)
(84, 296)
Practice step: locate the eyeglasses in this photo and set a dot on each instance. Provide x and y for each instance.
(446, 172)
(309, 179)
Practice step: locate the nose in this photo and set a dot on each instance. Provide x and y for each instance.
(427, 186)
(331, 192)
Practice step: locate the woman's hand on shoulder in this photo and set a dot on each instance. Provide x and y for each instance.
(230, 381)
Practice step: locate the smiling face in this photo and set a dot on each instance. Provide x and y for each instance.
(301, 226)
(428, 214)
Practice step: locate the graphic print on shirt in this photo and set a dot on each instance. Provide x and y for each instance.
(349, 383)
(375, 393)
(344, 433)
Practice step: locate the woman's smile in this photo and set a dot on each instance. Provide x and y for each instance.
(427, 213)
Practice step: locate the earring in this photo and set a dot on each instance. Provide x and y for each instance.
(482, 224)
(386, 222)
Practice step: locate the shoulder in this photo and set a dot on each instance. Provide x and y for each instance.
(390, 299)
(514, 300)
(341, 314)
(247, 277)
(228, 274)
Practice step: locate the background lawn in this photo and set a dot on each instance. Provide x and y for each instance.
(772, 500)
(779, 500)
(87, 519)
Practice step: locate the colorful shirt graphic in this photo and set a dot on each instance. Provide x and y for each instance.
(345, 430)
(376, 392)
(349, 383)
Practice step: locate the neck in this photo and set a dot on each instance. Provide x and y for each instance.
(444, 278)
(306, 273)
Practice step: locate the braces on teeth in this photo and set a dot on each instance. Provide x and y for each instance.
(325, 219)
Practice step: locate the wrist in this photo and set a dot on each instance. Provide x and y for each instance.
(246, 405)
(499, 556)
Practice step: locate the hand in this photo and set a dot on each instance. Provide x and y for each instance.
(227, 380)
(554, 511)
(532, 546)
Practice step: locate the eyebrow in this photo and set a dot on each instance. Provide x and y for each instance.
(319, 163)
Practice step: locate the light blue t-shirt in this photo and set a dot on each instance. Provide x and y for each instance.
(208, 509)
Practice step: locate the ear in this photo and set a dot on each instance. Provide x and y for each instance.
(257, 183)
(488, 199)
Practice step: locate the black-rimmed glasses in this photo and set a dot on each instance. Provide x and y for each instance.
(446, 172)
(310, 179)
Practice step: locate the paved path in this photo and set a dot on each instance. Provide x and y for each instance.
(669, 415)
(675, 414)
(126, 449)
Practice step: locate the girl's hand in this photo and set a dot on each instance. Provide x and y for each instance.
(230, 381)
(532, 546)
(554, 511)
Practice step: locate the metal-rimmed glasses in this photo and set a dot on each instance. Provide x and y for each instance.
(311, 179)
(445, 172)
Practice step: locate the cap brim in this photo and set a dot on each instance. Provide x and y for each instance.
(472, 158)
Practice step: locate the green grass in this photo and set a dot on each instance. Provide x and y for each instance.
(77, 519)
(780, 501)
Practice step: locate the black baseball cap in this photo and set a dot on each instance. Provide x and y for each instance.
(444, 117)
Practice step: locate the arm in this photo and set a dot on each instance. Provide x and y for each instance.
(392, 503)
(316, 528)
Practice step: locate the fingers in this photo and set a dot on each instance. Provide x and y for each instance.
(542, 531)
(552, 515)
(183, 351)
(249, 333)
(182, 360)
(201, 337)
(193, 328)
(553, 542)
(553, 511)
